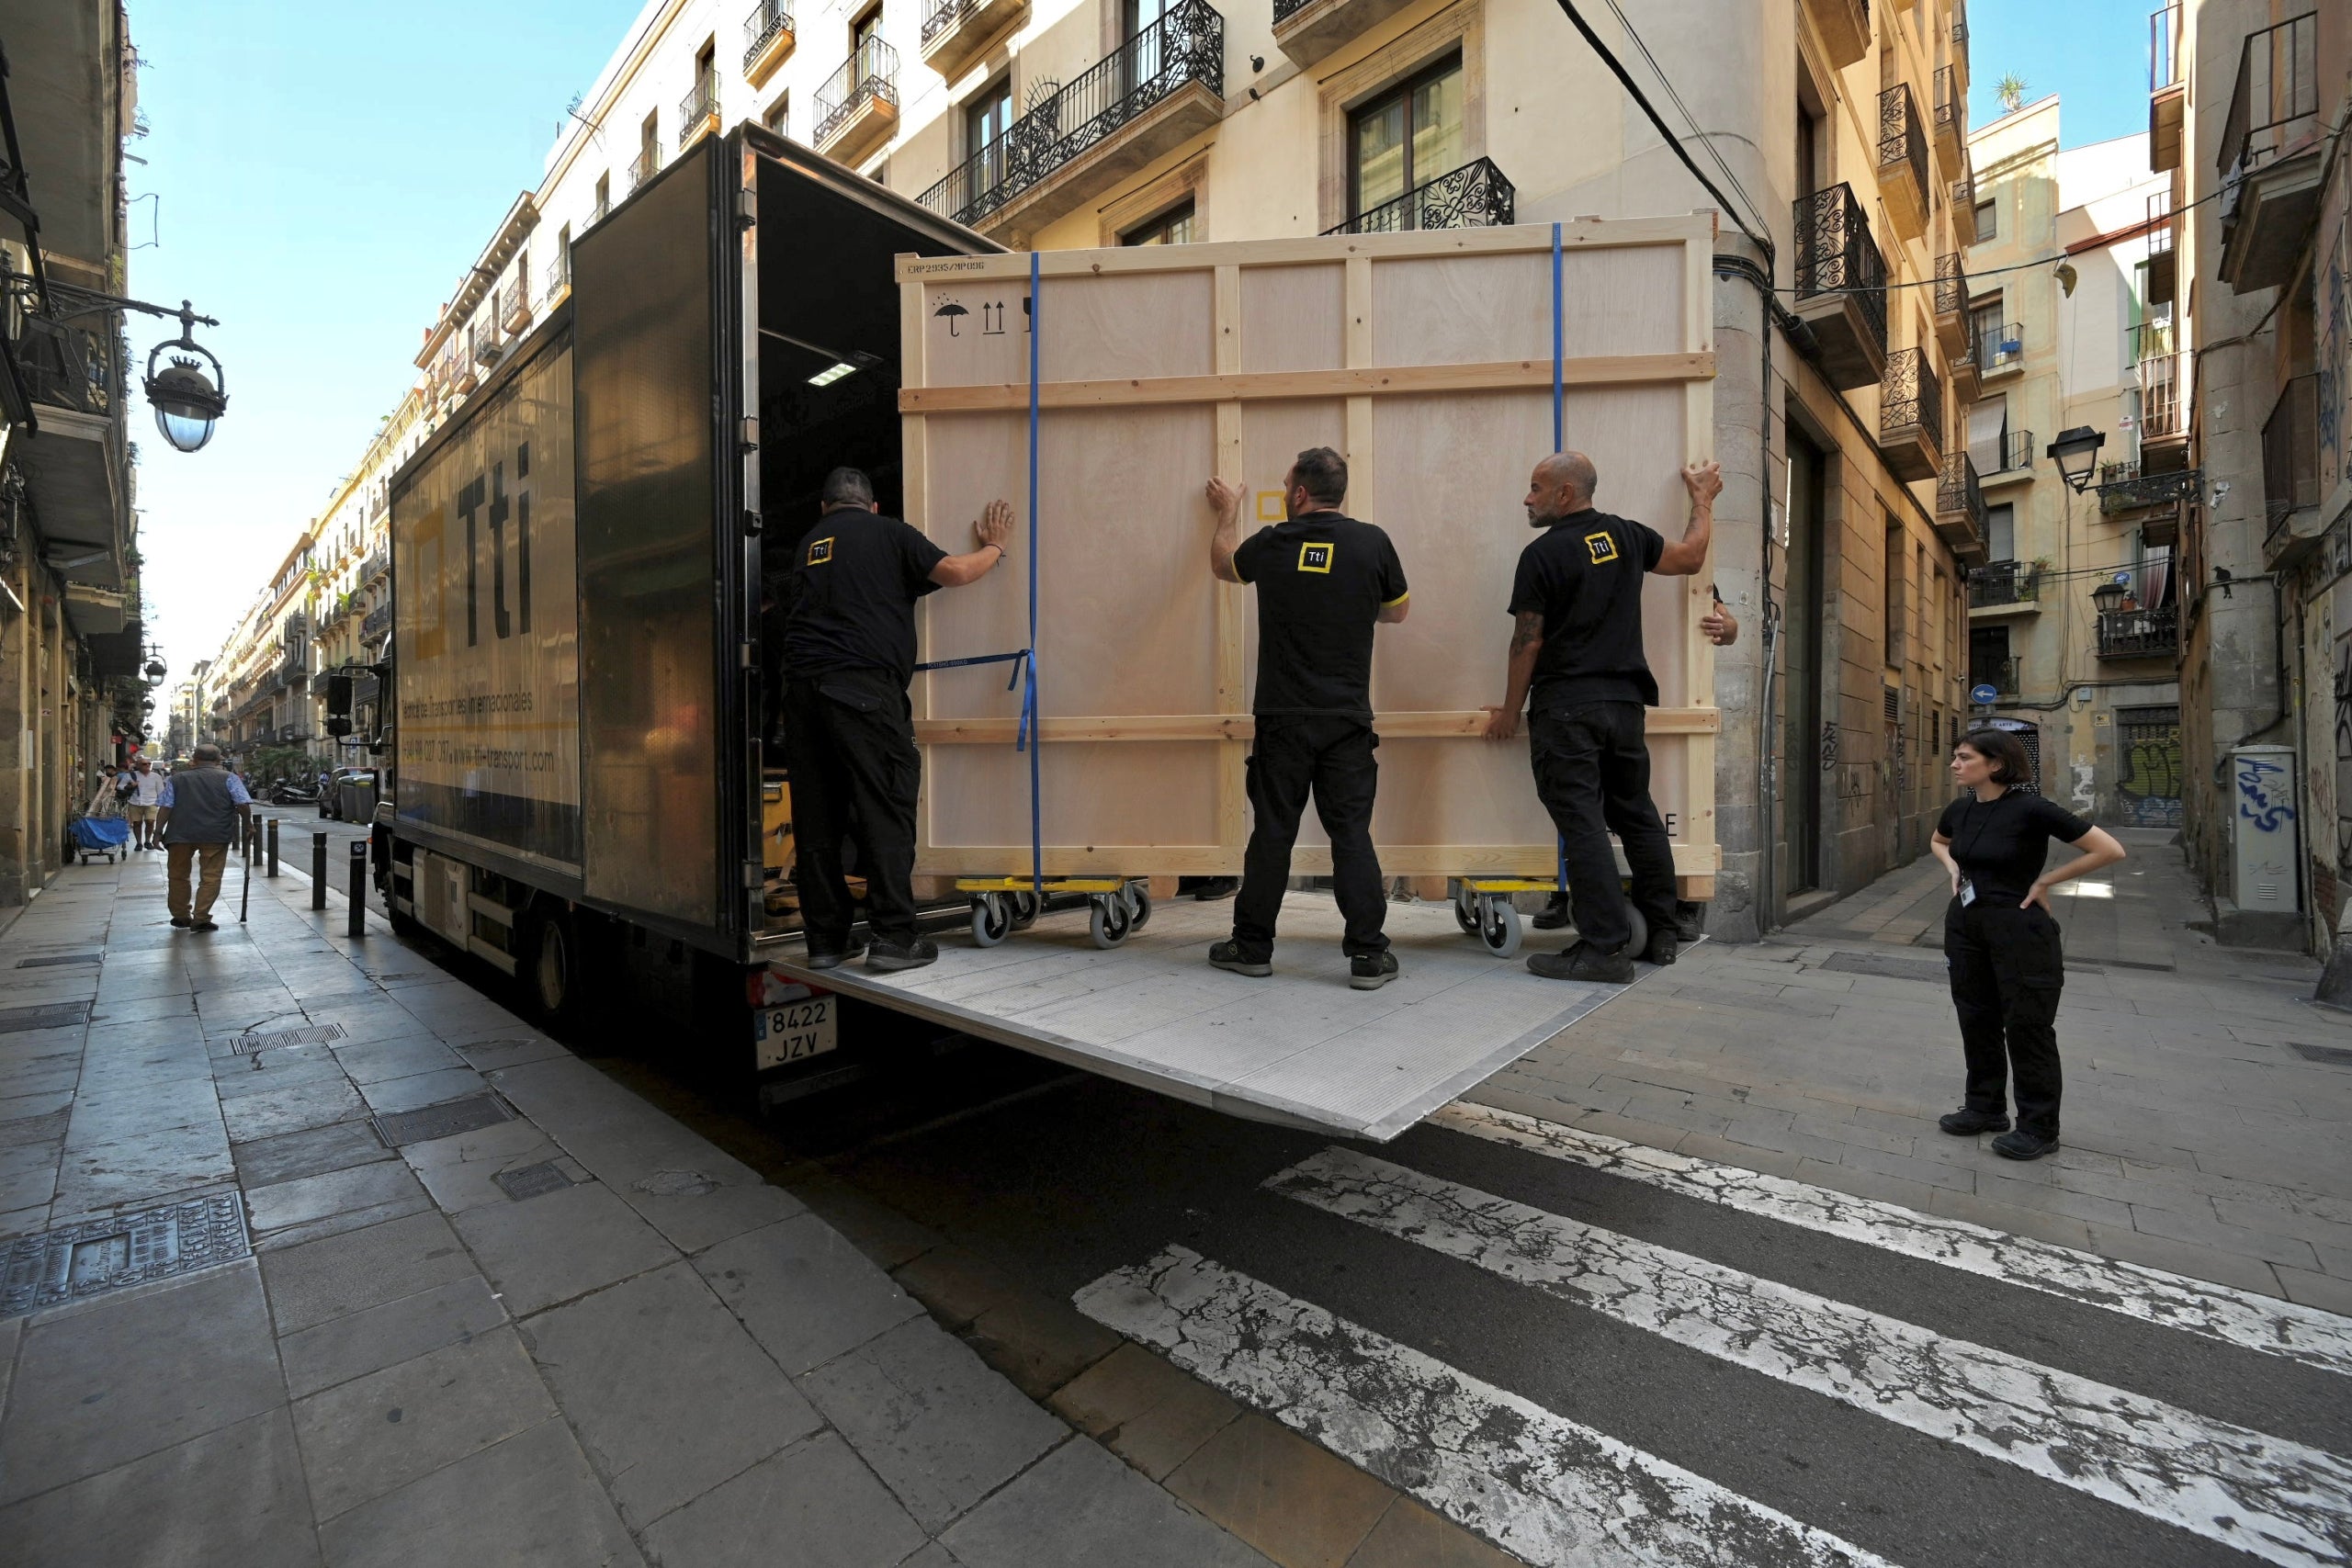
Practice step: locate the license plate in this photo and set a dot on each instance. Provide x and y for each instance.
(793, 1031)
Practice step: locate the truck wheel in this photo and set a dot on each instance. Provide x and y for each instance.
(555, 966)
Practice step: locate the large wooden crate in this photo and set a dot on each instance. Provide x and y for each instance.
(1428, 359)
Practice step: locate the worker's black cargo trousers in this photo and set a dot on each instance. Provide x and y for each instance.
(1333, 758)
(2008, 968)
(849, 745)
(1592, 773)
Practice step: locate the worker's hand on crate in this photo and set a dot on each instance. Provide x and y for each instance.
(995, 526)
(1704, 481)
(1720, 626)
(1224, 497)
(1501, 726)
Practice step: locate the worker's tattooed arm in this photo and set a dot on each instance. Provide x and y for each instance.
(1526, 642)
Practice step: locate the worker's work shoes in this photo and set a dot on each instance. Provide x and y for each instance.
(1554, 915)
(1370, 971)
(1583, 962)
(1226, 955)
(834, 960)
(2022, 1145)
(1665, 947)
(887, 956)
(1967, 1123)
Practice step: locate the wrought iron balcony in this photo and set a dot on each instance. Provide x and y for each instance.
(1186, 45)
(1903, 160)
(869, 76)
(378, 563)
(513, 305)
(2123, 489)
(375, 623)
(2291, 453)
(1285, 9)
(2163, 398)
(1841, 285)
(1475, 196)
(2002, 582)
(767, 37)
(643, 167)
(1960, 505)
(65, 367)
(1952, 115)
(482, 344)
(2269, 157)
(698, 109)
(1955, 323)
(2001, 350)
(955, 33)
(2014, 460)
(1963, 211)
(1911, 415)
(2138, 633)
(2001, 674)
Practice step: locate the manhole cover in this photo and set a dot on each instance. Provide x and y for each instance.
(444, 1120)
(2334, 1056)
(532, 1181)
(1887, 966)
(57, 1015)
(65, 958)
(127, 1250)
(316, 1034)
(675, 1184)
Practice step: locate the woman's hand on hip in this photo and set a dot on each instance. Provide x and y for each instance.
(2038, 896)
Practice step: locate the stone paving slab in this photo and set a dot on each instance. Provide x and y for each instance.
(632, 1347)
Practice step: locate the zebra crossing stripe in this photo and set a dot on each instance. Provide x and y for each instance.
(2276, 1500)
(1546, 1489)
(2196, 1306)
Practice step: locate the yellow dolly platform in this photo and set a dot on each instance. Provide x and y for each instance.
(1003, 905)
(1482, 907)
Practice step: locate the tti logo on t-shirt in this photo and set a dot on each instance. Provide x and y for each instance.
(1603, 547)
(821, 550)
(1316, 557)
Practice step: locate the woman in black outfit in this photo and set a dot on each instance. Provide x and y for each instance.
(2001, 941)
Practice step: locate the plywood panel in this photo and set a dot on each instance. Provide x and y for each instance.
(1283, 346)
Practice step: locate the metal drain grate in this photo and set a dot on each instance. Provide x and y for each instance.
(2334, 1056)
(1887, 967)
(127, 1250)
(444, 1120)
(56, 1015)
(532, 1181)
(316, 1034)
(67, 958)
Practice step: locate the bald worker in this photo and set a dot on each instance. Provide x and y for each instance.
(1577, 646)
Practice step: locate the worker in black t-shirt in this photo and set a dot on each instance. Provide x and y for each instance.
(1576, 645)
(2001, 941)
(1324, 581)
(849, 654)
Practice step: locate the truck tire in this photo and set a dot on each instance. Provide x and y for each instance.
(554, 976)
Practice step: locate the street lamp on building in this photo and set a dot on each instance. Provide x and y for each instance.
(2076, 454)
(188, 401)
(2108, 597)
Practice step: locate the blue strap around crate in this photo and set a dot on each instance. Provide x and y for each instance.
(1559, 440)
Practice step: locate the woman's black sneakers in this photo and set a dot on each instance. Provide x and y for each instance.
(2022, 1145)
(1966, 1124)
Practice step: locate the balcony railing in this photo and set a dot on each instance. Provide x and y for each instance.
(1958, 25)
(697, 107)
(1475, 196)
(768, 19)
(65, 366)
(2001, 674)
(2001, 349)
(1959, 492)
(643, 167)
(2163, 397)
(2290, 452)
(2122, 487)
(376, 622)
(1952, 286)
(2276, 100)
(1951, 108)
(482, 345)
(1837, 255)
(869, 75)
(1285, 9)
(2004, 582)
(1186, 45)
(2138, 633)
(1900, 138)
(2014, 457)
(2164, 48)
(1910, 397)
(378, 563)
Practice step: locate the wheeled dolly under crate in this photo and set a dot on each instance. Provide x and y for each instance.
(1118, 906)
(1482, 907)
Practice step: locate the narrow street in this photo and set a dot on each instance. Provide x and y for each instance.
(1696, 1281)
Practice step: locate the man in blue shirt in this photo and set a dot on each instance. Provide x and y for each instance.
(201, 809)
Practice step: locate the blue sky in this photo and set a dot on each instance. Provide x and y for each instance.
(326, 170)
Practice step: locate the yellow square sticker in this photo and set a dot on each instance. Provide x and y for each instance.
(821, 550)
(1603, 549)
(1270, 506)
(1317, 556)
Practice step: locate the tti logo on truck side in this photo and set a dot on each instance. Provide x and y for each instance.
(484, 498)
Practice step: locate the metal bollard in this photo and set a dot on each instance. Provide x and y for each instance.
(358, 887)
(318, 871)
(273, 846)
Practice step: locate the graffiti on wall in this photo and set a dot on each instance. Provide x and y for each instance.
(2148, 784)
(1828, 744)
(2265, 794)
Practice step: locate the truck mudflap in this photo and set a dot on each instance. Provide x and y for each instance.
(1300, 1049)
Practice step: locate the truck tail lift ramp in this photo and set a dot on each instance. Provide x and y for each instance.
(1300, 1050)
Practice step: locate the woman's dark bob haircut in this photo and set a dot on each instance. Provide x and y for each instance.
(2005, 752)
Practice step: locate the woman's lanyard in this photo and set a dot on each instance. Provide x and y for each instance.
(1968, 815)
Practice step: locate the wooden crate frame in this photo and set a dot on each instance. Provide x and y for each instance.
(1230, 390)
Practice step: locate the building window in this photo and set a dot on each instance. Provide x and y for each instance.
(1987, 312)
(2001, 531)
(1897, 572)
(985, 118)
(1406, 137)
(779, 114)
(1174, 227)
(1989, 663)
(863, 30)
(1988, 220)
